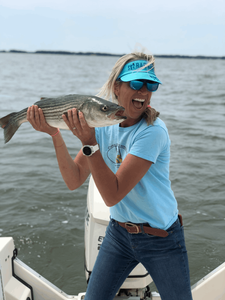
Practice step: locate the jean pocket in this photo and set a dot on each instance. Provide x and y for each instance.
(113, 223)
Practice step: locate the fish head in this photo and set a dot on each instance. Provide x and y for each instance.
(100, 113)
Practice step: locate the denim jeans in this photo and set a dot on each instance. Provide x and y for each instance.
(164, 258)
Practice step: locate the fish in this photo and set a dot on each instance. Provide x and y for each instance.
(98, 112)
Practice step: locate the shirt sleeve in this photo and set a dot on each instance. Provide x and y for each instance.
(97, 134)
(150, 143)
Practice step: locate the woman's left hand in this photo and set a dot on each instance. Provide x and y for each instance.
(77, 124)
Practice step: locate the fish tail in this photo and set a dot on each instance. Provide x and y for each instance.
(10, 126)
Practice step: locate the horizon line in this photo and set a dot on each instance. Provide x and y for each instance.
(108, 54)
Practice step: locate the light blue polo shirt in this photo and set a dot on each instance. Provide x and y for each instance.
(151, 200)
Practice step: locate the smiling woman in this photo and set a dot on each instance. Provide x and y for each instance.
(137, 72)
(134, 102)
(129, 163)
(138, 152)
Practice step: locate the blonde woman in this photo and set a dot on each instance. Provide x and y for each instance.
(130, 166)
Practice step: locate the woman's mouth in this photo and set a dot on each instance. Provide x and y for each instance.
(138, 103)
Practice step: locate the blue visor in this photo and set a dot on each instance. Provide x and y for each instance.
(134, 71)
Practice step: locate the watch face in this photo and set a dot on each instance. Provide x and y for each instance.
(87, 150)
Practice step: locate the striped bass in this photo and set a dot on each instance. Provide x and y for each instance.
(97, 112)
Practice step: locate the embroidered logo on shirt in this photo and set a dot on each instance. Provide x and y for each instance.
(116, 153)
(119, 159)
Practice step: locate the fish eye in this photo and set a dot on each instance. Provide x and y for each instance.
(105, 108)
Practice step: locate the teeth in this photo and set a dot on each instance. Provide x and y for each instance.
(139, 100)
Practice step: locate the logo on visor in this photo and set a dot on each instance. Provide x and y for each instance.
(137, 65)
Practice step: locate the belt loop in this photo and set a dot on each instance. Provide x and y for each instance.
(181, 219)
(142, 228)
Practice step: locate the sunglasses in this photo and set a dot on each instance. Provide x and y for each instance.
(138, 84)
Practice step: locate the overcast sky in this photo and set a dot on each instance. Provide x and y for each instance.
(193, 27)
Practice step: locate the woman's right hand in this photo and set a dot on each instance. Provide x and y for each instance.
(36, 118)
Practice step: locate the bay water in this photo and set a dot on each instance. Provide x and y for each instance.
(46, 220)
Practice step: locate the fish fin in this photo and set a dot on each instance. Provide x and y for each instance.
(43, 98)
(9, 125)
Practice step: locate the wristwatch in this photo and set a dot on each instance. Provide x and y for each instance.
(89, 150)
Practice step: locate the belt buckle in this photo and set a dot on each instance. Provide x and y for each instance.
(129, 225)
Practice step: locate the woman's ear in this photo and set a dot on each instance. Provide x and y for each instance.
(116, 88)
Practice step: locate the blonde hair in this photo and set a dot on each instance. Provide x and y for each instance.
(107, 90)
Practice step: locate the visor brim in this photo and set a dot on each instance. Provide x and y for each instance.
(139, 76)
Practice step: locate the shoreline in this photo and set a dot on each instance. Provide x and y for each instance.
(109, 54)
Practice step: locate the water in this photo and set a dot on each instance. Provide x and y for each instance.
(46, 220)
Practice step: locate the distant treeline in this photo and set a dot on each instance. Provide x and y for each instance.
(109, 54)
(61, 52)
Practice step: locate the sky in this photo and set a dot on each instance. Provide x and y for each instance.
(170, 27)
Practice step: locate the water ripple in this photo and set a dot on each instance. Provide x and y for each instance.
(47, 220)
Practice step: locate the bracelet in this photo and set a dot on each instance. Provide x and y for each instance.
(56, 133)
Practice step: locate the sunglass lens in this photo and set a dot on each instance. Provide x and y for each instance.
(136, 85)
(152, 87)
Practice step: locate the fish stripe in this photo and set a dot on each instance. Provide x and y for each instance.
(54, 108)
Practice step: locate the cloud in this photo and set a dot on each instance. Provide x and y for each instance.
(164, 27)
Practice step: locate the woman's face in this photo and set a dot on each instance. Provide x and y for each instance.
(134, 101)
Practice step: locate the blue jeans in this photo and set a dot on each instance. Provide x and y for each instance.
(164, 258)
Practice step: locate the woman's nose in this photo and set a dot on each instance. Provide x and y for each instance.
(143, 90)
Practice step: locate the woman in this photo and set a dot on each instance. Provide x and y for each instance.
(130, 166)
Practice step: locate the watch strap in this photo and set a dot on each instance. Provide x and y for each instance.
(95, 148)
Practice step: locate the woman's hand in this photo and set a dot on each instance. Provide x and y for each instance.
(36, 118)
(77, 124)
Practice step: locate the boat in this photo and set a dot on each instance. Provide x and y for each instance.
(19, 282)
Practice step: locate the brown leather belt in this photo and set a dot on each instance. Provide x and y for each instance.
(134, 228)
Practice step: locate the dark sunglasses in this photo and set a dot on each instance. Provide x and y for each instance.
(138, 84)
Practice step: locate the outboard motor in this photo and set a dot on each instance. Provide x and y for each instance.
(96, 221)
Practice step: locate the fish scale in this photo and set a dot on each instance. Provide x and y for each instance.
(97, 112)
